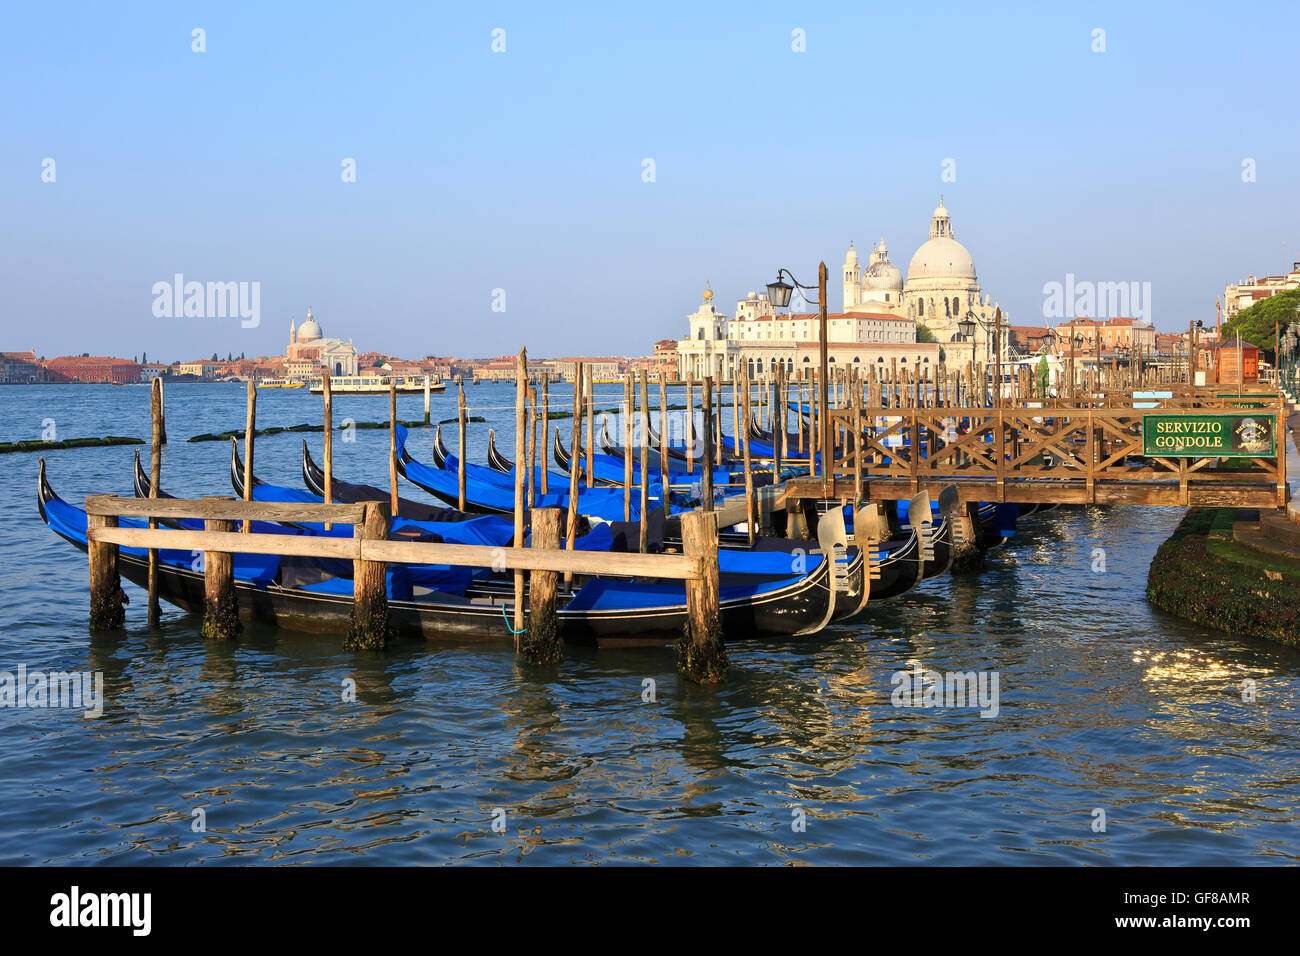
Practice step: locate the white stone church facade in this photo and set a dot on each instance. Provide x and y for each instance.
(877, 325)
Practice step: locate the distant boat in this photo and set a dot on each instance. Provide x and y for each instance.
(279, 383)
(377, 385)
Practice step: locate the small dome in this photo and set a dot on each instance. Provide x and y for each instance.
(309, 330)
(753, 296)
(851, 257)
(884, 275)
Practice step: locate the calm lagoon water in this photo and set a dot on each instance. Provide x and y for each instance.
(1105, 704)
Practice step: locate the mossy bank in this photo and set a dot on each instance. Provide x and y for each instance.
(1203, 575)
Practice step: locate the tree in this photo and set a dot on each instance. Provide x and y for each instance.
(923, 333)
(1258, 323)
(214, 356)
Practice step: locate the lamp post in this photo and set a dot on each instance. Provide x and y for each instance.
(778, 293)
(967, 327)
(1196, 330)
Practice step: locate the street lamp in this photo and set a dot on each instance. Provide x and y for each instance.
(778, 293)
(967, 327)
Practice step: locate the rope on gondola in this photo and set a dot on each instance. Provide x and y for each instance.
(509, 626)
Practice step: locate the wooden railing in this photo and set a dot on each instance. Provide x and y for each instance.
(1049, 454)
(370, 550)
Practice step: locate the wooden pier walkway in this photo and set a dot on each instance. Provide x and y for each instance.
(1196, 447)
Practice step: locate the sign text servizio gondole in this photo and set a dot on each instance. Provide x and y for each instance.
(1208, 436)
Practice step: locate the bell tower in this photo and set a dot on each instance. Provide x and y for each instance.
(852, 279)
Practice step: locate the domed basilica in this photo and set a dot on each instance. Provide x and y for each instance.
(309, 353)
(940, 291)
(877, 326)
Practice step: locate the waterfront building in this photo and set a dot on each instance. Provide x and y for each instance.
(1250, 290)
(1029, 338)
(203, 368)
(309, 352)
(91, 368)
(1114, 334)
(605, 367)
(878, 325)
(21, 368)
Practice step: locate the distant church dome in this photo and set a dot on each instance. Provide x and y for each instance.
(851, 257)
(942, 256)
(752, 297)
(882, 274)
(309, 331)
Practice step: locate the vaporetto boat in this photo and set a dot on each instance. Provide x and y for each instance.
(378, 385)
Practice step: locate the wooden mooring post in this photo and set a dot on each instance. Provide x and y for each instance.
(700, 652)
(690, 421)
(663, 442)
(107, 599)
(645, 464)
(627, 447)
(530, 479)
(155, 479)
(743, 437)
(220, 610)
(250, 430)
(575, 463)
(328, 431)
(426, 398)
(717, 424)
(369, 588)
(521, 393)
(392, 446)
(546, 427)
(460, 442)
(589, 394)
(541, 643)
(162, 410)
(706, 461)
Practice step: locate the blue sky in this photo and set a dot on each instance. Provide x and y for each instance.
(522, 170)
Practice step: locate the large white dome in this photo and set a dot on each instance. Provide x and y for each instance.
(941, 257)
(309, 331)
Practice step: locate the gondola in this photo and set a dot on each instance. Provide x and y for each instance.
(851, 596)
(485, 493)
(610, 472)
(499, 463)
(769, 437)
(295, 593)
(619, 533)
(459, 528)
(612, 448)
(346, 492)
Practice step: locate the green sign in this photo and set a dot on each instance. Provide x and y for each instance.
(1208, 436)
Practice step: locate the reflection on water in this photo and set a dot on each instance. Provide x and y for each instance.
(1105, 703)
